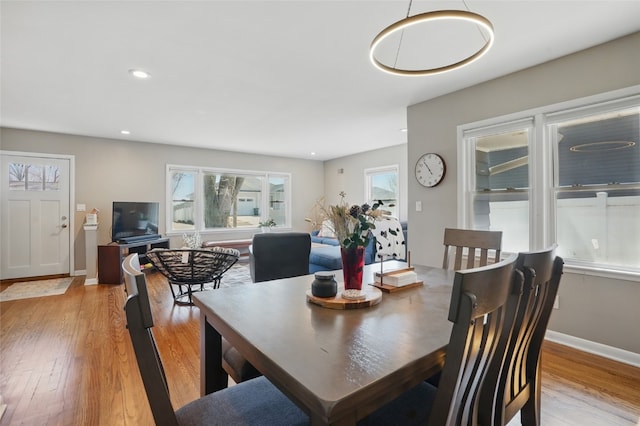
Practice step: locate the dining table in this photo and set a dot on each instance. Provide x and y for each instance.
(337, 365)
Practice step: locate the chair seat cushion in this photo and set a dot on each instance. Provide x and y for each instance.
(242, 368)
(253, 402)
(411, 408)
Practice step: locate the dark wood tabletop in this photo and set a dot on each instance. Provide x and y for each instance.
(337, 365)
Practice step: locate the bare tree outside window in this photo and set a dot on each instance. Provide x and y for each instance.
(33, 177)
(221, 200)
(207, 199)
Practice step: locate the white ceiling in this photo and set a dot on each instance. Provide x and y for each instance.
(282, 78)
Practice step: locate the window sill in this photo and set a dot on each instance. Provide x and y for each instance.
(229, 231)
(615, 274)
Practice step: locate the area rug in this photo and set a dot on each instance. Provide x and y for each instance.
(30, 289)
(238, 274)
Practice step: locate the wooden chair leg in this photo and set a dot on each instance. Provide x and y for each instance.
(530, 412)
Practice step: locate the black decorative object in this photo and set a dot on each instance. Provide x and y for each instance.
(324, 285)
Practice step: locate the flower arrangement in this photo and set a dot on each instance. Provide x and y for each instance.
(352, 224)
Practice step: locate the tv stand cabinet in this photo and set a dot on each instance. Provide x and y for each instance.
(110, 257)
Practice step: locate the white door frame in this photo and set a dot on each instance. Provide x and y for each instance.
(72, 192)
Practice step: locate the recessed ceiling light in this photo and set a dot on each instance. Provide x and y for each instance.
(403, 130)
(313, 153)
(125, 132)
(139, 74)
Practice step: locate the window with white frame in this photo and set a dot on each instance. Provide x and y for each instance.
(499, 193)
(381, 184)
(597, 185)
(568, 175)
(203, 199)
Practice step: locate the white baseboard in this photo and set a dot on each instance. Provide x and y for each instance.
(87, 280)
(595, 348)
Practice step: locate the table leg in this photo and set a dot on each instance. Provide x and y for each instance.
(212, 376)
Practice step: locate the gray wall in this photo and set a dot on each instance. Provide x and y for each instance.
(593, 308)
(110, 170)
(351, 181)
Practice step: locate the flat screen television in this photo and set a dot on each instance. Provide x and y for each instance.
(134, 221)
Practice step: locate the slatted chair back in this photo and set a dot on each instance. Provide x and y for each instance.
(478, 247)
(139, 323)
(478, 313)
(518, 379)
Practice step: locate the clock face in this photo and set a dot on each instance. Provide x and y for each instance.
(430, 170)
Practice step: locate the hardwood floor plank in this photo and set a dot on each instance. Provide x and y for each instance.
(68, 360)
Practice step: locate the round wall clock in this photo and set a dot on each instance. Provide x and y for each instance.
(430, 170)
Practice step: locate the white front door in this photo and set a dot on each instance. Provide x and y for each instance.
(34, 215)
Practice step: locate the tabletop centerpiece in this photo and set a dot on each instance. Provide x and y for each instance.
(352, 225)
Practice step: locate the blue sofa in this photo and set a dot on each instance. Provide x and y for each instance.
(328, 258)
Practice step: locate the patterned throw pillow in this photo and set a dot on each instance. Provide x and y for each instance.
(225, 250)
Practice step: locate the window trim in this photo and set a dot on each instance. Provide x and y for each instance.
(199, 198)
(541, 167)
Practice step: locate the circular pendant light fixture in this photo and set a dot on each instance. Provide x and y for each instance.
(441, 15)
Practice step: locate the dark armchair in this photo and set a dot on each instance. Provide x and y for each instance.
(279, 255)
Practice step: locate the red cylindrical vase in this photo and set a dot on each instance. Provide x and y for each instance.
(352, 267)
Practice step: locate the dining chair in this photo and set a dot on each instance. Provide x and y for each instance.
(515, 385)
(188, 268)
(277, 255)
(474, 245)
(255, 401)
(478, 312)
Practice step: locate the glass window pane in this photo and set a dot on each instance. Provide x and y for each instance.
(600, 150)
(600, 227)
(182, 201)
(35, 177)
(502, 161)
(382, 186)
(278, 199)
(51, 178)
(222, 205)
(17, 177)
(506, 212)
(501, 200)
(597, 192)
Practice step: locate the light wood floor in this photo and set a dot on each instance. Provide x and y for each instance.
(67, 360)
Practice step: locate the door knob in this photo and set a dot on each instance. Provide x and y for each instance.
(64, 225)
